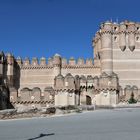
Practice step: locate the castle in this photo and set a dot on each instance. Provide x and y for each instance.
(112, 77)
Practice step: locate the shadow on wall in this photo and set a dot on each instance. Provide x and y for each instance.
(42, 135)
(4, 99)
(17, 76)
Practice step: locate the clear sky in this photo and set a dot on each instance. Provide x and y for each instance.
(45, 27)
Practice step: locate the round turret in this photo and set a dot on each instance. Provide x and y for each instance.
(106, 48)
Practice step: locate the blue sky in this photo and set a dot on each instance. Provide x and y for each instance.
(45, 27)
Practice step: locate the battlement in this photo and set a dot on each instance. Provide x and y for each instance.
(103, 82)
(42, 62)
(56, 60)
(127, 27)
(78, 62)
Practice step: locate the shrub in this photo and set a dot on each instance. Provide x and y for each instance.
(132, 100)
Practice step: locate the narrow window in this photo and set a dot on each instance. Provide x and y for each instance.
(138, 28)
(115, 38)
(115, 28)
(137, 38)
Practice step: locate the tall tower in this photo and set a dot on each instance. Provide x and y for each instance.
(10, 69)
(106, 48)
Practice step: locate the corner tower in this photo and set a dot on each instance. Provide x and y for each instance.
(103, 48)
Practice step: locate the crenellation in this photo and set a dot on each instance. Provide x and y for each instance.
(72, 61)
(89, 62)
(80, 61)
(50, 61)
(42, 61)
(26, 61)
(106, 27)
(34, 61)
(64, 62)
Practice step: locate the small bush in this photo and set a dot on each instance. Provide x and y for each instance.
(50, 110)
(132, 100)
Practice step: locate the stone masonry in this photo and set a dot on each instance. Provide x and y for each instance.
(108, 79)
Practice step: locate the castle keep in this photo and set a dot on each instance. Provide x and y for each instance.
(112, 77)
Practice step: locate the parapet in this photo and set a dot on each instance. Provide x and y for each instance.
(126, 27)
(73, 63)
(55, 61)
(80, 61)
(89, 62)
(108, 81)
(34, 61)
(65, 83)
(50, 61)
(43, 61)
(64, 61)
